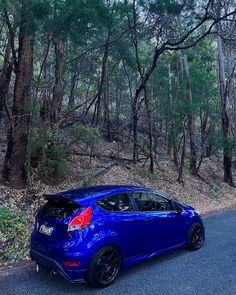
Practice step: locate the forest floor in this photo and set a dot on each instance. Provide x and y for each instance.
(208, 193)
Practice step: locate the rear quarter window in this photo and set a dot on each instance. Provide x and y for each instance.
(59, 208)
(116, 203)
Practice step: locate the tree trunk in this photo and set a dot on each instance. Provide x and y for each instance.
(191, 123)
(225, 120)
(97, 97)
(106, 100)
(134, 118)
(59, 86)
(45, 101)
(171, 134)
(14, 167)
(71, 102)
(5, 79)
(174, 121)
(135, 135)
(181, 164)
(117, 100)
(150, 136)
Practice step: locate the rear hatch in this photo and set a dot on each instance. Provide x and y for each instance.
(51, 224)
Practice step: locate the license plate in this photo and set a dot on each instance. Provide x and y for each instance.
(45, 230)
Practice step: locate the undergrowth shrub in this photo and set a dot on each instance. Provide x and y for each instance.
(49, 154)
(146, 173)
(50, 150)
(14, 235)
(88, 137)
(215, 191)
(87, 134)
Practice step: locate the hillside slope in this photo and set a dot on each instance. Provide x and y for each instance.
(207, 194)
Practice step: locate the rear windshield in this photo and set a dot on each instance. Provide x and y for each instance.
(59, 208)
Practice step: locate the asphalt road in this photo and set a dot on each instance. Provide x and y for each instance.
(211, 270)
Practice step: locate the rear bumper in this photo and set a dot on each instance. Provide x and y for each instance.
(72, 275)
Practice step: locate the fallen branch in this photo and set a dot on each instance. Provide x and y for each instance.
(100, 171)
(99, 156)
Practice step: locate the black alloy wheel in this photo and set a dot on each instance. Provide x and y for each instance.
(104, 267)
(196, 237)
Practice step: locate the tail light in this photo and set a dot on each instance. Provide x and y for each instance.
(82, 220)
(72, 263)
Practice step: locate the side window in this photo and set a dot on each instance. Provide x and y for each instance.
(152, 202)
(177, 206)
(120, 202)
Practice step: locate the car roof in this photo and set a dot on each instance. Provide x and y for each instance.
(87, 194)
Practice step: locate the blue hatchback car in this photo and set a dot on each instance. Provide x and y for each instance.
(89, 234)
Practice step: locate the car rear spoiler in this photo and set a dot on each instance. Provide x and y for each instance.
(64, 198)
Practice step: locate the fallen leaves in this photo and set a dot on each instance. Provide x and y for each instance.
(207, 193)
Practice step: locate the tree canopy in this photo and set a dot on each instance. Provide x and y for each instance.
(160, 73)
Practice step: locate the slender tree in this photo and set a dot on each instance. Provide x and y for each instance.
(60, 45)
(14, 168)
(225, 92)
(191, 121)
(5, 78)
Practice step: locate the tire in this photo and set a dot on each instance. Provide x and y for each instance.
(195, 236)
(104, 267)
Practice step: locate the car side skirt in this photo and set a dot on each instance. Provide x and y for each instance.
(137, 259)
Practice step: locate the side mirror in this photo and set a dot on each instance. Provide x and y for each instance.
(178, 208)
(179, 211)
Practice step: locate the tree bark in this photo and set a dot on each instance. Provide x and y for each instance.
(71, 102)
(59, 86)
(97, 97)
(191, 122)
(182, 160)
(134, 118)
(14, 167)
(106, 100)
(150, 132)
(5, 79)
(45, 101)
(225, 118)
